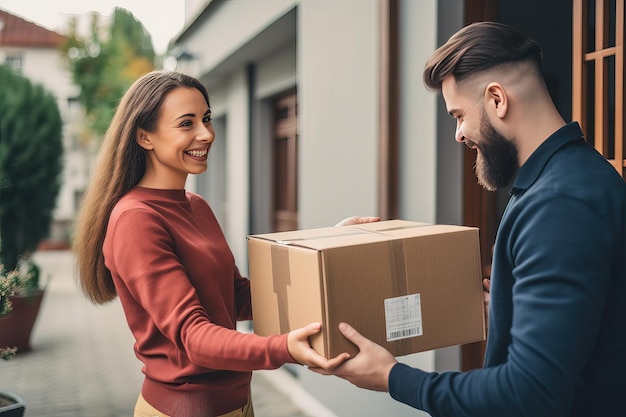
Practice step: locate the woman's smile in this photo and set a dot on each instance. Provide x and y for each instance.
(199, 153)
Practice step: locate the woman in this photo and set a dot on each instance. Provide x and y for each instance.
(142, 237)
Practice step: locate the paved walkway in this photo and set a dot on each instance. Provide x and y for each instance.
(82, 363)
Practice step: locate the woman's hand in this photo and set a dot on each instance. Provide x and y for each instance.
(301, 350)
(357, 220)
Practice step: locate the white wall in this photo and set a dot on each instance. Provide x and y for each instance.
(193, 7)
(233, 25)
(276, 73)
(418, 130)
(337, 81)
(46, 66)
(449, 153)
(338, 97)
(237, 166)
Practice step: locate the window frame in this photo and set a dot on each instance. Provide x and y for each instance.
(592, 97)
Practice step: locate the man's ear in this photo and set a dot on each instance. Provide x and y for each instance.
(143, 139)
(496, 99)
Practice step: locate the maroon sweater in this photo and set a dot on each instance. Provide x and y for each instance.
(182, 295)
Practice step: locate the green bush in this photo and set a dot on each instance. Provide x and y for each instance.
(31, 157)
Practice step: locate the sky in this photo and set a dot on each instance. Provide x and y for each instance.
(162, 19)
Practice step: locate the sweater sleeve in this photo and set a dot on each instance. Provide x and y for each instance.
(141, 253)
(560, 286)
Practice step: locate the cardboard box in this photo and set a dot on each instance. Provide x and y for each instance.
(407, 286)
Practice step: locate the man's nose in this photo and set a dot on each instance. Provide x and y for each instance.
(459, 136)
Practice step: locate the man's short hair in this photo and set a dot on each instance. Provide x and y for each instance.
(479, 47)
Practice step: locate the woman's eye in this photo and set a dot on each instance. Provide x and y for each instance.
(207, 119)
(186, 123)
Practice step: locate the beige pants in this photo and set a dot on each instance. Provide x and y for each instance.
(143, 409)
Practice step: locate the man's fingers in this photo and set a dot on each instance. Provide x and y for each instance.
(320, 371)
(317, 361)
(352, 334)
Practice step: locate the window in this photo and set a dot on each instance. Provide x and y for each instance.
(598, 76)
(14, 62)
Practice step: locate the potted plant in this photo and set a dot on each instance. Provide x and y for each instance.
(11, 282)
(16, 328)
(11, 404)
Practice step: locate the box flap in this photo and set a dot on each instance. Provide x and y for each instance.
(336, 237)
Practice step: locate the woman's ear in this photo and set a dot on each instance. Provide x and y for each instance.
(143, 139)
(497, 99)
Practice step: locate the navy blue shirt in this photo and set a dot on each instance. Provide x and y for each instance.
(557, 327)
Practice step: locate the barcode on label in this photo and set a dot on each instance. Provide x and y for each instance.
(401, 334)
(403, 317)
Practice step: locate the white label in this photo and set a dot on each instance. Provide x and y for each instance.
(403, 317)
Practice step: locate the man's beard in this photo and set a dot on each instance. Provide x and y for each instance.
(496, 160)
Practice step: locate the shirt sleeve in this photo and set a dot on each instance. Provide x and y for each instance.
(561, 257)
(143, 256)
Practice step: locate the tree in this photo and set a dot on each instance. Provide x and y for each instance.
(106, 63)
(31, 151)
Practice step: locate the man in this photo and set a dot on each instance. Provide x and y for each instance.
(557, 325)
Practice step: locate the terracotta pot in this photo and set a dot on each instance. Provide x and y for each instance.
(11, 404)
(16, 328)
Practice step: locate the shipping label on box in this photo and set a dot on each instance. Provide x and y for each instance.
(407, 286)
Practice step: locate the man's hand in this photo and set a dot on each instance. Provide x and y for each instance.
(301, 350)
(369, 369)
(357, 220)
(486, 297)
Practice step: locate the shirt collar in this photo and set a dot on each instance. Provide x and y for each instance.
(532, 168)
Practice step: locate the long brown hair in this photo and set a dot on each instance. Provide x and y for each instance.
(121, 165)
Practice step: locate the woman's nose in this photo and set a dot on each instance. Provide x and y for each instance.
(206, 133)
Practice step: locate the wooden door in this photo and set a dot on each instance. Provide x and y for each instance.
(285, 155)
(480, 207)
